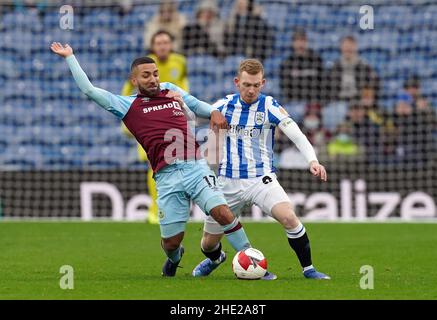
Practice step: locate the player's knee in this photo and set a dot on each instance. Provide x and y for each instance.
(290, 222)
(285, 215)
(222, 214)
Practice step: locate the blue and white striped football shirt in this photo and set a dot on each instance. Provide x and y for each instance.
(248, 151)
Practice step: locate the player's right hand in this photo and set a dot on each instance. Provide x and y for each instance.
(318, 170)
(59, 49)
(218, 121)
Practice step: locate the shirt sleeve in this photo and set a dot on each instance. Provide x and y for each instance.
(293, 132)
(116, 104)
(276, 112)
(220, 104)
(200, 108)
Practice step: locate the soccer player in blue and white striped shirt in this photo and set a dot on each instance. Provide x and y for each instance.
(246, 172)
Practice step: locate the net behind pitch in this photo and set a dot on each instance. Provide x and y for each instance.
(372, 120)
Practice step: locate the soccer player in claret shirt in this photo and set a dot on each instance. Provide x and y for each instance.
(246, 171)
(157, 119)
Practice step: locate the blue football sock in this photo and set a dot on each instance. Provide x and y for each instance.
(236, 236)
(174, 255)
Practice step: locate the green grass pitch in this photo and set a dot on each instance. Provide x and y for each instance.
(123, 261)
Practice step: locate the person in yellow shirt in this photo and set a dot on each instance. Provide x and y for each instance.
(172, 68)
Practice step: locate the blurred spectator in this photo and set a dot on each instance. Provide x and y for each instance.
(412, 88)
(206, 34)
(313, 126)
(379, 117)
(350, 74)
(125, 6)
(168, 19)
(366, 133)
(415, 122)
(172, 66)
(39, 6)
(301, 73)
(372, 128)
(343, 143)
(247, 33)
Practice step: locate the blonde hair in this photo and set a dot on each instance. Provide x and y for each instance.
(251, 66)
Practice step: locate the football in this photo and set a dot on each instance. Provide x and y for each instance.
(249, 264)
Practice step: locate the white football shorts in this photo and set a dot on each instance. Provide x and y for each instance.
(264, 191)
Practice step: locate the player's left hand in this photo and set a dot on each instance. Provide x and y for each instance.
(318, 170)
(176, 96)
(218, 121)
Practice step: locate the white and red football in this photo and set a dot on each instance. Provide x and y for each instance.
(249, 264)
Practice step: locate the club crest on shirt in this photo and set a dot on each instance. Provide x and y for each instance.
(161, 215)
(259, 118)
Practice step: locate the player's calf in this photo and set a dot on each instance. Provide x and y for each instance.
(174, 252)
(232, 228)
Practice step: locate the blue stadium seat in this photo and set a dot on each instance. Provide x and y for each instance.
(391, 88)
(329, 57)
(113, 135)
(42, 135)
(388, 16)
(58, 158)
(78, 135)
(280, 12)
(377, 59)
(295, 109)
(404, 66)
(379, 41)
(8, 133)
(3, 146)
(87, 112)
(9, 41)
(45, 116)
(424, 17)
(203, 87)
(226, 86)
(272, 66)
(8, 69)
(282, 44)
(188, 8)
(272, 88)
(333, 114)
(118, 68)
(106, 156)
(202, 65)
(137, 18)
(9, 116)
(60, 128)
(101, 18)
(320, 41)
(230, 65)
(429, 88)
(51, 20)
(22, 20)
(59, 35)
(22, 157)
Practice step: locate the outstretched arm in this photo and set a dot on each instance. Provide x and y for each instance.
(292, 131)
(115, 104)
(200, 108)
